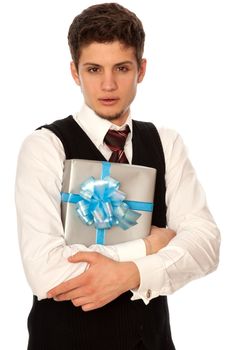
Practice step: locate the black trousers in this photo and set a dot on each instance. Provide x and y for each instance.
(140, 346)
(120, 325)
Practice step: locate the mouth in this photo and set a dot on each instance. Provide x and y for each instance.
(107, 101)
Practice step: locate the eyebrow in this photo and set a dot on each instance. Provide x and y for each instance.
(99, 65)
(124, 62)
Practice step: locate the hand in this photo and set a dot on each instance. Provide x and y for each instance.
(158, 239)
(103, 282)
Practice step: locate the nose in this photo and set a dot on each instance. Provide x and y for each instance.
(108, 82)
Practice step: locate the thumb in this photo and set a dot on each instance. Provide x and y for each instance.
(89, 257)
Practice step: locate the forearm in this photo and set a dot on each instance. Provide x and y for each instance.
(41, 236)
(194, 251)
(45, 256)
(192, 254)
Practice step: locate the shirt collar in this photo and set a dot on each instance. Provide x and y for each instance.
(96, 127)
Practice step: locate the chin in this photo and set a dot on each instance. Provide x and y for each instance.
(110, 117)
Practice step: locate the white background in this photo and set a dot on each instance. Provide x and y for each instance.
(188, 87)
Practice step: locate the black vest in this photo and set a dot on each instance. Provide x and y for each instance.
(121, 324)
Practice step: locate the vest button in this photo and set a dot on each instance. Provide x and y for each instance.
(148, 294)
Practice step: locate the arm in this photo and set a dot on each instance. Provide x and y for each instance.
(41, 237)
(194, 252)
(106, 279)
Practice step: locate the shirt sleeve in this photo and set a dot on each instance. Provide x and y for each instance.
(42, 243)
(194, 252)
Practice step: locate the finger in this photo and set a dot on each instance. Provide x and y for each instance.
(173, 233)
(93, 306)
(65, 287)
(156, 229)
(90, 307)
(73, 294)
(82, 301)
(89, 257)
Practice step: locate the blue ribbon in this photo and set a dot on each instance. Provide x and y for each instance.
(100, 203)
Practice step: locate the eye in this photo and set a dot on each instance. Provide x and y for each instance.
(93, 69)
(123, 69)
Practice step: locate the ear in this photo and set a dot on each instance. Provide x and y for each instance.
(142, 70)
(74, 73)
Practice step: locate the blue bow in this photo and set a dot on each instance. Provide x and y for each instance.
(102, 204)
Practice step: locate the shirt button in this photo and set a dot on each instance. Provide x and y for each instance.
(148, 294)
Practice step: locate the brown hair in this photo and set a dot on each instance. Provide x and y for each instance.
(104, 23)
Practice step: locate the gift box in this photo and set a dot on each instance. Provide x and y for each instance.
(106, 203)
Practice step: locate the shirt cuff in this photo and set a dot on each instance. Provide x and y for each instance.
(149, 266)
(131, 250)
(127, 251)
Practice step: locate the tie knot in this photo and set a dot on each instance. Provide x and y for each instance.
(116, 140)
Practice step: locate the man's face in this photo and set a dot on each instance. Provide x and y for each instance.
(108, 75)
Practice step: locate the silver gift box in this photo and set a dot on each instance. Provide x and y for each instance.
(138, 184)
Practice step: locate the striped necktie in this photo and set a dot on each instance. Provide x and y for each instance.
(116, 140)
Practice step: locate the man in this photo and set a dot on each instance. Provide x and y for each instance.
(123, 287)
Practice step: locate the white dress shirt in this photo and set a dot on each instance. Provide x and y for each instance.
(193, 253)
